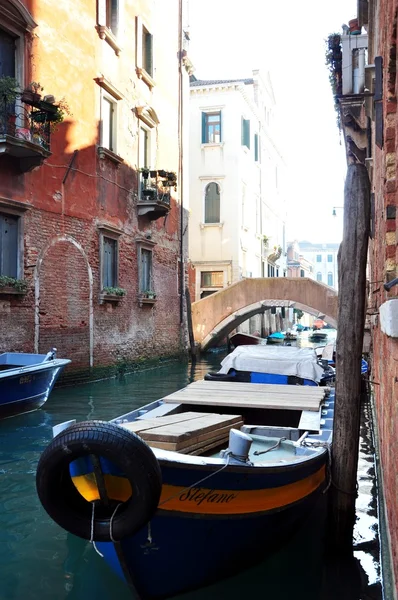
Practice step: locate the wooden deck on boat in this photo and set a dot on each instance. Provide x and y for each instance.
(188, 432)
(194, 432)
(250, 395)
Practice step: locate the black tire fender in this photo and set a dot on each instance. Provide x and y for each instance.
(67, 507)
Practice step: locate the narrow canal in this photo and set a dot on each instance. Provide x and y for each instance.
(39, 561)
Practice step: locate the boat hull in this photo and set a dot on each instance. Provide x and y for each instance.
(197, 552)
(26, 389)
(203, 534)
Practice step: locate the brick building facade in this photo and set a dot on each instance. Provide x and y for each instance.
(367, 88)
(90, 219)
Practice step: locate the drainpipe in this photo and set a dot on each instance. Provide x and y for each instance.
(180, 159)
(260, 137)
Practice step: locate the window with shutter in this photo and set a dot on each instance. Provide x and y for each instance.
(146, 288)
(256, 147)
(212, 203)
(9, 245)
(147, 54)
(330, 279)
(144, 53)
(378, 100)
(7, 54)
(108, 117)
(319, 276)
(146, 270)
(246, 133)
(210, 279)
(108, 21)
(109, 273)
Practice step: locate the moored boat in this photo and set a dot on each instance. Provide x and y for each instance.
(245, 339)
(317, 336)
(182, 492)
(277, 365)
(26, 380)
(276, 338)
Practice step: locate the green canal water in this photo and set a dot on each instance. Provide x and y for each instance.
(39, 561)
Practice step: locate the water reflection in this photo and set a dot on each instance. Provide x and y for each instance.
(39, 561)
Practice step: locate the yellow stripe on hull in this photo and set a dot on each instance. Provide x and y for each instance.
(207, 500)
(236, 502)
(117, 488)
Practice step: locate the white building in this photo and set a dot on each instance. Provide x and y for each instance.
(324, 260)
(237, 205)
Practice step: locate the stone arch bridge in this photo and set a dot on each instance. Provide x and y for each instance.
(215, 316)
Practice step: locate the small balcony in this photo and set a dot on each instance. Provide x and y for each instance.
(155, 193)
(25, 134)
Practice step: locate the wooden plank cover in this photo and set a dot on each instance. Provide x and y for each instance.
(143, 424)
(251, 396)
(310, 420)
(263, 388)
(187, 430)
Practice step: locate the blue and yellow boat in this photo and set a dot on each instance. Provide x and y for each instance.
(195, 486)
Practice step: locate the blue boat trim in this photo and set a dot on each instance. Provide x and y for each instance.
(26, 380)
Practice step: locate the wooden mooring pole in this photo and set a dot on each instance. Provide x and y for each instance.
(350, 328)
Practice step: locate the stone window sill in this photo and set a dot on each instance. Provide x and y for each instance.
(106, 34)
(143, 300)
(213, 145)
(205, 225)
(146, 78)
(106, 153)
(110, 298)
(11, 290)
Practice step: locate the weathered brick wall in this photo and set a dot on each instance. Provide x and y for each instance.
(383, 260)
(68, 202)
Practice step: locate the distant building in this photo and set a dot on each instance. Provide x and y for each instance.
(323, 257)
(297, 265)
(237, 221)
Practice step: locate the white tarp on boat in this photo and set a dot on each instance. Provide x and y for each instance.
(285, 360)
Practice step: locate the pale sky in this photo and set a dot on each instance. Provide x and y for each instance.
(230, 39)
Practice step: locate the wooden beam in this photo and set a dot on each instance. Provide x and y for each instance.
(350, 327)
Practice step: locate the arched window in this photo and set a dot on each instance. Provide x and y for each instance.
(212, 203)
(330, 279)
(319, 276)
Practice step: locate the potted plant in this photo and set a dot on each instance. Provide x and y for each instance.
(58, 117)
(31, 94)
(144, 172)
(9, 90)
(54, 116)
(18, 286)
(114, 291)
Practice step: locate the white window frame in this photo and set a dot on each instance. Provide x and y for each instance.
(110, 94)
(104, 31)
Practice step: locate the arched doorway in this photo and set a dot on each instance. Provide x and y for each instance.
(64, 302)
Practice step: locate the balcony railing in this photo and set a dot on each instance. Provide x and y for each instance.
(24, 134)
(155, 192)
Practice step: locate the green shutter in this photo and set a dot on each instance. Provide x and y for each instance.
(204, 140)
(246, 133)
(256, 147)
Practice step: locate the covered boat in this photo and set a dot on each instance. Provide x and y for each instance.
(190, 488)
(26, 380)
(280, 365)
